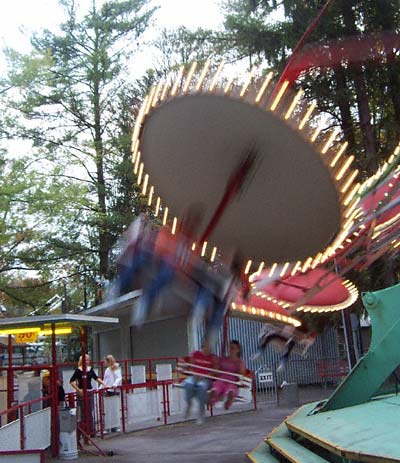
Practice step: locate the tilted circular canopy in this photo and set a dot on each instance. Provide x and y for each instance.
(294, 198)
(289, 208)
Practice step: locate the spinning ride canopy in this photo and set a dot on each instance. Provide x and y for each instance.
(336, 292)
(380, 190)
(191, 136)
(191, 146)
(275, 302)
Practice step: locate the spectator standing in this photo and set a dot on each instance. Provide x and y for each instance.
(76, 382)
(113, 379)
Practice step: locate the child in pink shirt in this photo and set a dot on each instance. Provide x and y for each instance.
(231, 364)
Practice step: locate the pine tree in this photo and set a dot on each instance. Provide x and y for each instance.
(69, 90)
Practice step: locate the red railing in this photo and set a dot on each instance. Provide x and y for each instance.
(98, 411)
(125, 365)
(332, 369)
(18, 413)
(122, 391)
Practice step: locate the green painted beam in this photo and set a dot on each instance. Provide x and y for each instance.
(281, 441)
(382, 357)
(261, 454)
(365, 433)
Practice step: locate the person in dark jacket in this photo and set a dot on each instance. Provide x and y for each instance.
(76, 382)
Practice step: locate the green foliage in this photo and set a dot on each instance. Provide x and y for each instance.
(63, 207)
(76, 112)
(360, 97)
(182, 46)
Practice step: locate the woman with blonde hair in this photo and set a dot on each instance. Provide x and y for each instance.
(112, 375)
(113, 379)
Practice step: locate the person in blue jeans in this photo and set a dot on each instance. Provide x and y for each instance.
(137, 254)
(216, 291)
(171, 251)
(197, 386)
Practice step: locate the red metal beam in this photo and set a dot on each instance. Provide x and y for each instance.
(55, 435)
(10, 377)
(86, 411)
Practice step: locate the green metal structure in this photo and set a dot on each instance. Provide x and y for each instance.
(355, 424)
(383, 356)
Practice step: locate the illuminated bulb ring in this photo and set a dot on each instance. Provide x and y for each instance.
(205, 80)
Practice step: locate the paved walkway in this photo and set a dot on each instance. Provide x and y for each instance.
(221, 439)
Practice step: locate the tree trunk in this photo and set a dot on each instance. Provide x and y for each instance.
(364, 114)
(387, 14)
(99, 152)
(343, 101)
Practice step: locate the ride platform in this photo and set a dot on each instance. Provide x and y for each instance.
(355, 424)
(362, 433)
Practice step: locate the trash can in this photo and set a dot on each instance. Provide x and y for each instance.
(288, 395)
(68, 442)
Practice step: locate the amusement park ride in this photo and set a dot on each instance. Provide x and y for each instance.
(277, 187)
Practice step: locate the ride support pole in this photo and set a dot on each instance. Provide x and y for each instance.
(225, 329)
(55, 438)
(299, 45)
(232, 189)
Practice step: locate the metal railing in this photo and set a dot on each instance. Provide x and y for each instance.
(164, 402)
(313, 371)
(18, 420)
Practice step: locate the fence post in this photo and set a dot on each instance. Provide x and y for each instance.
(168, 402)
(10, 378)
(123, 410)
(126, 374)
(22, 428)
(254, 391)
(101, 411)
(150, 370)
(165, 412)
(85, 398)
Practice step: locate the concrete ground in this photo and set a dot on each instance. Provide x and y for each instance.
(221, 439)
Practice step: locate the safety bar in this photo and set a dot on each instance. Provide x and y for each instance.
(243, 381)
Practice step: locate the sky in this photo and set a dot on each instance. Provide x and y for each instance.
(36, 14)
(19, 18)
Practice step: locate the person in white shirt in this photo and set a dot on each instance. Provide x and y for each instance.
(112, 375)
(112, 378)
